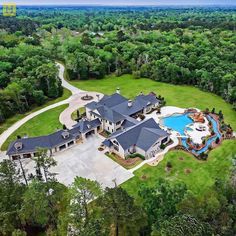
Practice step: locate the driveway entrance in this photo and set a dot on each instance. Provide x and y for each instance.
(86, 161)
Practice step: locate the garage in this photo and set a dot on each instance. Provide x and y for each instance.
(62, 147)
(91, 132)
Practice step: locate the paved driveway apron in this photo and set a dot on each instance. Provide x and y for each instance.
(86, 161)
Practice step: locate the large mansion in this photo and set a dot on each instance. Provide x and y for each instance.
(115, 115)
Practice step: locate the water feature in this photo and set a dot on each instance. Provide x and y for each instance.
(178, 122)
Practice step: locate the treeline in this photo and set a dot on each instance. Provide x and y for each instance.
(180, 46)
(198, 57)
(27, 75)
(13, 24)
(38, 203)
(144, 18)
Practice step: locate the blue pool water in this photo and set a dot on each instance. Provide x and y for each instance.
(179, 122)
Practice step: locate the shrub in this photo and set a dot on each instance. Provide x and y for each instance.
(136, 155)
(217, 140)
(163, 146)
(136, 74)
(203, 156)
(168, 165)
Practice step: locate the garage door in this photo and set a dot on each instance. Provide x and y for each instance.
(89, 133)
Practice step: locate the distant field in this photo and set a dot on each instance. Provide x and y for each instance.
(43, 124)
(175, 95)
(9, 122)
(201, 176)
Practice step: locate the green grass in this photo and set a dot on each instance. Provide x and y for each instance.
(43, 124)
(202, 176)
(9, 122)
(181, 96)
(203, 173)
(74, 114)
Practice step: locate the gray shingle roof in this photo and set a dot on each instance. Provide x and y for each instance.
(128, 122)
(47, 141)
(86, 125)
(53, 140)
(124, 109)
(143, 135)
(110, 101)
(150, 98)
(110, 114)
(91, 105)
(115, 107)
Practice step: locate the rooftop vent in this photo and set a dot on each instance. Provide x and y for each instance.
(18, 146)
(65, 134)
(118, 90)
(130, 103)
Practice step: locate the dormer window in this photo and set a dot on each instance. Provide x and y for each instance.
(65, 135)
(18, 146)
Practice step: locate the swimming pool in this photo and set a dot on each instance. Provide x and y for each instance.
(178, 122)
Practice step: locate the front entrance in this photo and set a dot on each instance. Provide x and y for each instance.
(89, 133)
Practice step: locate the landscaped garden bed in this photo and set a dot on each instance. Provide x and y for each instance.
(126, 163)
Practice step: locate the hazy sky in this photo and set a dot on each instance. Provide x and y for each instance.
(123, 2)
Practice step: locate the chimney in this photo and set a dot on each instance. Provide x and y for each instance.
(118, 90)
(98, 96)
(130, 103)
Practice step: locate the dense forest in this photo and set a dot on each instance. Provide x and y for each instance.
(180, 46)
(166, 209)
(28, 75)
(189, 46)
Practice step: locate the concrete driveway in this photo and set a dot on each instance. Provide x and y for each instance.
(86, 161)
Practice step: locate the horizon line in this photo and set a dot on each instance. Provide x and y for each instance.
(128, 5)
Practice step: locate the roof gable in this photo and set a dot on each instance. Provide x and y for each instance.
(143, 134)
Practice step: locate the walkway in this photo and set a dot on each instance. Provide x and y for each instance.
(74, 102)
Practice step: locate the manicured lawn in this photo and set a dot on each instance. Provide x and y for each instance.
(74, 114)
(200, 176)
(181, 96)
(42, 124)
(9, 122)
